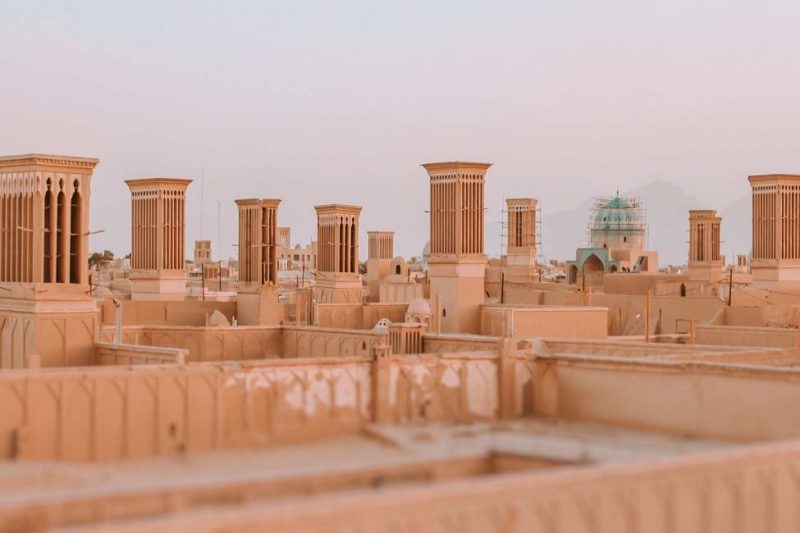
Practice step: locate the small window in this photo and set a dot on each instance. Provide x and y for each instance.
(624, 239)
(444, 312)
(397, 269)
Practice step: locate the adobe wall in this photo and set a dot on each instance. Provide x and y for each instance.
(358, 316)
(544, 321)
(452, 342)
(47, 339)
(207, 343)
(784, 315)
(637, 283)
(748, 336)
(743, 490)
(113, 413)
(121, 412)
(329, 342)
(541, 294)
(172, 313)
(626, 313)
(692, 399)
(108, 354)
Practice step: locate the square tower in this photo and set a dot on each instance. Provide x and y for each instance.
(257, 299)
(338, 279)
(521, 251)
(776, 230)
(47, 317)
(705, 260)
(157, 238)
(457, 262)
(202, 252)
(380, 247)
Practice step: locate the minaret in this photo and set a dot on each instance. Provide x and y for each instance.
(380, 248)
(48, 314)
(705, 261)
(338, 279)
(457, 262)
(521, 250)
(157, 238)
(776, 230)
(257, 299)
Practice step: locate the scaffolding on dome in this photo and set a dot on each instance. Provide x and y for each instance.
(616, 214)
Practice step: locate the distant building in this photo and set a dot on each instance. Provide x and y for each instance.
(202, 252)
(617, 235)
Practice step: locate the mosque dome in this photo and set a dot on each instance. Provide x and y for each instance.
(618, 212)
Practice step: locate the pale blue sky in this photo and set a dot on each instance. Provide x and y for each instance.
(319, 102)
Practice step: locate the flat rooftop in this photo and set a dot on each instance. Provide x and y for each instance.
(381, 457)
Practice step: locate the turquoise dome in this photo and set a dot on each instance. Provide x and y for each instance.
(615, 213)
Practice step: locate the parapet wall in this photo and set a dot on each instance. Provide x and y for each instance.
(748, 336)
(113, 413)
(206, 344)
(724, 491)
(116, 412)
(358, 316)
(544, 321)
(162, 313)
(109, 354)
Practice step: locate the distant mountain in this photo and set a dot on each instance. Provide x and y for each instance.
(667, 219)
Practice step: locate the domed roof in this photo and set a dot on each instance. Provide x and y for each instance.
(418, 306)
(616, 212)
(218, 320)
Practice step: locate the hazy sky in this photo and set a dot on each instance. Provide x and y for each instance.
(320, 102)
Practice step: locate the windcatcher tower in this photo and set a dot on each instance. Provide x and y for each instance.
(158, 229)
(457, 262)
(776, 230)
(521, 251)
(257, 300)
(48, 317)
(338, 279)
(380, 247)
(705, 260)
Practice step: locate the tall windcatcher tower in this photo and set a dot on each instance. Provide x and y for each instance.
(457, 261)
(521, 250)
(705, 260)
(48, 315)
(257, 300)
(158, 215)
(380, 252)
(338, 279)
(776, 230)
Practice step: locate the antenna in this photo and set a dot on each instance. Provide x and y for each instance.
(202, 197)
(219, 226)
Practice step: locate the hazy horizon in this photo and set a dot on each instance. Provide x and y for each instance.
(322, 102)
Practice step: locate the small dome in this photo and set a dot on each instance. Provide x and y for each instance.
(382, 325)
(218, 320)
(418, 308)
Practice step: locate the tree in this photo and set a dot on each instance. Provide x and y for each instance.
(98, 258)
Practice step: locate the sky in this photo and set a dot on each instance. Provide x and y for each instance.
(319, 102)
